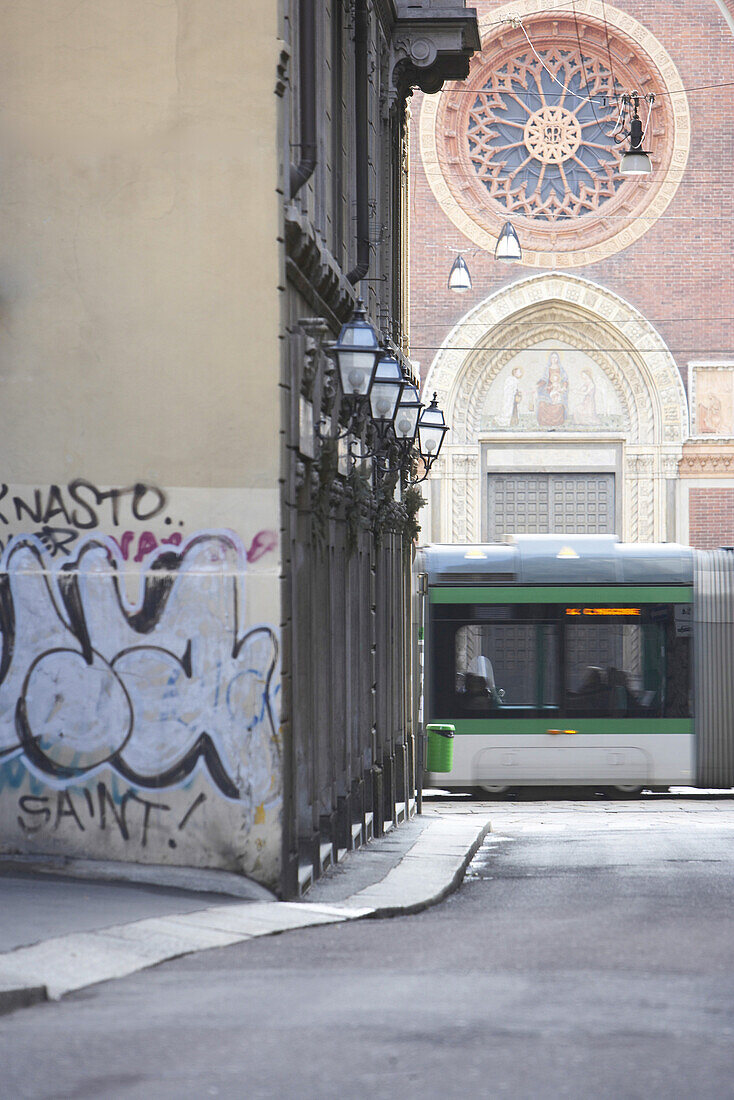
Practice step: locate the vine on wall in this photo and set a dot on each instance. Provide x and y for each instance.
(362, 505)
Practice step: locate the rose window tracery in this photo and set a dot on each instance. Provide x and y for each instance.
(529, 135)
(540, 149)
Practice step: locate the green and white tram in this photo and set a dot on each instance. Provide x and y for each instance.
(568, 660)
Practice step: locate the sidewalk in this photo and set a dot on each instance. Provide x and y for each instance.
(59, 934)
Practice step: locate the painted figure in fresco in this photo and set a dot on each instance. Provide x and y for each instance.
(512, 398)
(710, 415)
(553, 394)
(587, 408)
(515, 417)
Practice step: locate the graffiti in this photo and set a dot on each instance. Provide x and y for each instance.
(43, 811)
(147, 542)
(152, 689)
(263, 543)
(82, 506)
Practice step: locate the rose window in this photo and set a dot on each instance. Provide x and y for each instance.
(529, 135)
(541, 150)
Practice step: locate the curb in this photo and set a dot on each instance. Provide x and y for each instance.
(449, 876)
(430, 870)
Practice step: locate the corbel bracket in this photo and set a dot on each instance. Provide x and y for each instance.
(431, 43)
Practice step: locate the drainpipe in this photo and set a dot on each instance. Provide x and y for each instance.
(361, 46)
(307, 78)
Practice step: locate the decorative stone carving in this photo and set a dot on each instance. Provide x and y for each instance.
(301, 473)
(638, 375)
(281, 71)
(699, 464)
(572, 313)
(465, 488)
(458, 495)
(313, 269)
(523, 147)
(317, 331)
(669, 466)
(430, 44)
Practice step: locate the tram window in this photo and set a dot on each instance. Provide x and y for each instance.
(615, 668)
(505, 667)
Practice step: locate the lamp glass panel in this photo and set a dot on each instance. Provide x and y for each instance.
(357, 350)
(355, 368)
(431, 430)
(430, 436)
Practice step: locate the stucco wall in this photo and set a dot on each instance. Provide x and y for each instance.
(139, 376)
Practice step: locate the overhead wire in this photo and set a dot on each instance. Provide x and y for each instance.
(606, 35)
(621, 351)
(664, 92)
(560, 83)
(578, 321)
(586, 81)
(515, 20)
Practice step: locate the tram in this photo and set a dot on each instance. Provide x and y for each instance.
(579, 660)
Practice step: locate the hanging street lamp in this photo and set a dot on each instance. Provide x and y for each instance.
(459, 277)
(636, 162)
(508, 245)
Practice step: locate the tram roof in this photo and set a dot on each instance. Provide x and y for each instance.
(558, 559)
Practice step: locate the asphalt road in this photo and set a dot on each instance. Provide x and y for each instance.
(590, 953)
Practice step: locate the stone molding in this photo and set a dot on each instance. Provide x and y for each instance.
(650, 372)
(706, 460)
(313, 269)
(633, 356)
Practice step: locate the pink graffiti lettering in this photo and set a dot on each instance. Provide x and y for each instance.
(263, 543)
(147, 542)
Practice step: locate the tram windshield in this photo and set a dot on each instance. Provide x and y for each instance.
(529, 661)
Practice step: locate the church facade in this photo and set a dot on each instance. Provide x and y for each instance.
(590, 386)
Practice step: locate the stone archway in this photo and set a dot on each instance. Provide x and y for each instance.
(632, 360)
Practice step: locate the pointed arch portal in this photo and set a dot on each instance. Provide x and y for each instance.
(567, 412)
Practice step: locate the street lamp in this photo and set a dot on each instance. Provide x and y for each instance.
(385, 392)
(356, 352)
(431, 432)
(636, 162)
(508, 245)
(406, 417)
(375, 383)
(459, 277)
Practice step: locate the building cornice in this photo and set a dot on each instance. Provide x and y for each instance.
(314, 270)
(707, 460)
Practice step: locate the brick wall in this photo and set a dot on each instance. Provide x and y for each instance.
(680, 274)
(711, 518)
